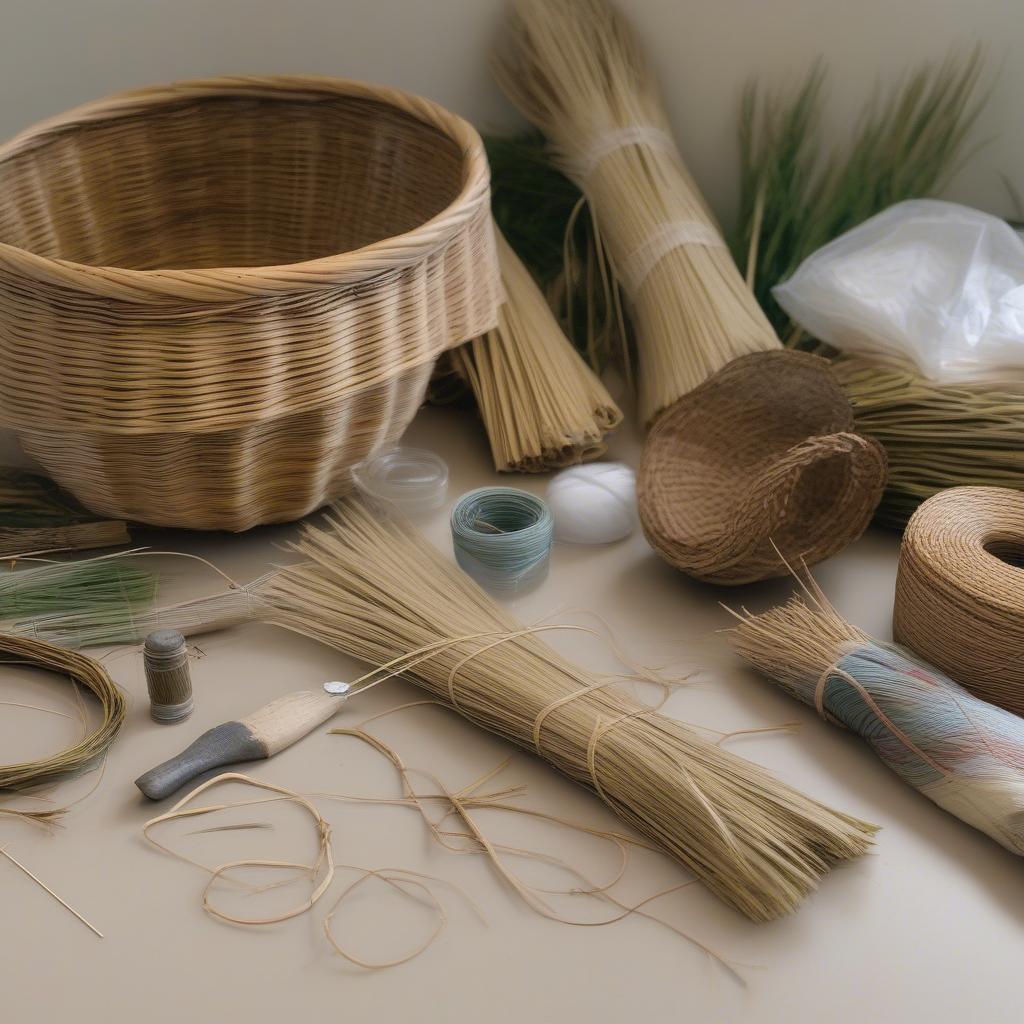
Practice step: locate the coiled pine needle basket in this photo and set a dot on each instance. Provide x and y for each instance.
(217, 296)
(575, 69)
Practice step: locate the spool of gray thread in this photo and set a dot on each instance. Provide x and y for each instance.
(165, 657)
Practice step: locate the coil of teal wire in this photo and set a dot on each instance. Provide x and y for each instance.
(502, 538)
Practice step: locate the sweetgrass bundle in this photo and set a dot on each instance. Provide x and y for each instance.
(575, 70)
(936, 436)
(36, 515)
(380, 593)
(964, 754)
(542, 406)
(105, 587)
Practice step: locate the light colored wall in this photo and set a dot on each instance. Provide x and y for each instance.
(57, 53)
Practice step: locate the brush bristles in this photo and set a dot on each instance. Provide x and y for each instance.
(378, 592)
(574, 68)
(543, 407)
(796, 642)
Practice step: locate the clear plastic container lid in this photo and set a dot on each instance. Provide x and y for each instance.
(413, 481)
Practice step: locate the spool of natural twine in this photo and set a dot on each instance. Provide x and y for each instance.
(960, 590)
(165, 656)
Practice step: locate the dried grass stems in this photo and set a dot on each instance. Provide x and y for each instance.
(575, 70)
(35, 515)
(378, 592)
(936, 436)
(542, 406)
(83, 672)
(107, 585)
(964, 754)
(960, 590)
(795, 196)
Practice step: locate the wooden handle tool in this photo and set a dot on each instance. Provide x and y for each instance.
(259, 735)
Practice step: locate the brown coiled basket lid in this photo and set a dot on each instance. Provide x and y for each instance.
(762, 455)
(256, 267)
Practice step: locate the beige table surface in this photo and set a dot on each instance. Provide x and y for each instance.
(929, 928)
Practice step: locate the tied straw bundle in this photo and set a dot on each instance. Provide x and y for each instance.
(575, 70)
(380, 593)
(965, 755)
(542, 406)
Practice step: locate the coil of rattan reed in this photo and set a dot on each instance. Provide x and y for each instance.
(226, 274)
(759, 463)
(84, 671)
(960, 590)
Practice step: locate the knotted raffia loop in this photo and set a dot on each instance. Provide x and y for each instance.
(960, 590)
(212, 256)
(275, 470)
(575, 69)
(759, 463)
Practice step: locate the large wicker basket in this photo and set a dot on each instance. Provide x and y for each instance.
(217, 296)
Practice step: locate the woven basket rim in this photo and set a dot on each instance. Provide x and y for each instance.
(227, 284)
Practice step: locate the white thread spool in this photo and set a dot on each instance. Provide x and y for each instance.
(594, 503)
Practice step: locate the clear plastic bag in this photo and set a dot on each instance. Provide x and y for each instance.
(935, 284)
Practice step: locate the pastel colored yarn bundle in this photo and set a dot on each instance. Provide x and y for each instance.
(964, 754)
(960, 590)
(593, 504)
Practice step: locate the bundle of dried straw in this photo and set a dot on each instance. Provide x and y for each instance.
(965, 755)
(575, 70)
(936, 436)
(542, 406)
(380, 593)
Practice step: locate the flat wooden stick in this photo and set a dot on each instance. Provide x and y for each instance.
(40, 882)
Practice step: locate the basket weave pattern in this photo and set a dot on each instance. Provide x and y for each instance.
(760, 463)
(246, 278)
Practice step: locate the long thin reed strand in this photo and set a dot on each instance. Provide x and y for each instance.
(962, 753)
(575, 69)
